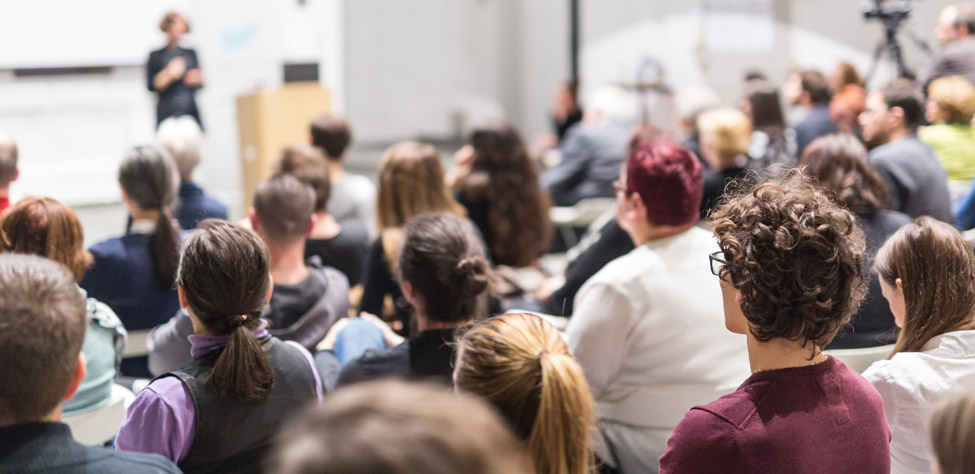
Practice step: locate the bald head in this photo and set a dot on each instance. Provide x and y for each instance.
(8, 159)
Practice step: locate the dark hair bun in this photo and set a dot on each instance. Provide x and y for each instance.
(471, 272)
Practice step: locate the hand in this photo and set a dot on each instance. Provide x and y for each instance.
(329, 341)
(193, 78)
(392, 339)
(176, 67)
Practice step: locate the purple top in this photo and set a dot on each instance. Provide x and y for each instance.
(824, 418)
(161, 420)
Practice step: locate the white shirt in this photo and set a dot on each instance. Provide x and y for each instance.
(354, 197)
(649, 324)
(911, 384)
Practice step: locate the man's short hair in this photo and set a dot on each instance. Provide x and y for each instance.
(284, 206)
(905, 94)
(8, 158)
(398, 428)
(43, 318)
(668, 178)
(815, 84)
(795, 255)
(309, 165)
(182, 138)
(331, 134)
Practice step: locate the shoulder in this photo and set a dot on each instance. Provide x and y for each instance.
(132, 462)
(375, 363)
(108, 248)
(702, 442)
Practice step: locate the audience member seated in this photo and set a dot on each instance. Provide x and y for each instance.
(308, 298)
(411, 182)
(43, 319)
(8, 168)
(791, 275)
(50, 229)
(949, 109)
(593, 150)
(342, 245)
(956, 34)
(814, 98)
(953, 434)
(689, 103)
(182, 138)
(926, 271)
(649, 321)
(522, 366)
(220, 412)
(725, 138)
(770, 142)
(842, 166)
(503, 197)
(353, 197)
(849, 98)
(916, 182)
(395, 427)
(134, 274)
(445, 276)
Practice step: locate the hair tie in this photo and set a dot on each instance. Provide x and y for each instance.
(238, 320)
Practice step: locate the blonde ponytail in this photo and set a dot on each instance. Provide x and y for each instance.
(521, 364)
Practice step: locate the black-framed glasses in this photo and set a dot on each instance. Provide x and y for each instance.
(717, 263)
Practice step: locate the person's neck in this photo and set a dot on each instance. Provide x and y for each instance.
(139, 213)
(897, 134)
(650, 232)
(288, 263)
(4, 191)
(326, 226)
(781, 354)
(335, 170)
(54, 416)
(423, 323)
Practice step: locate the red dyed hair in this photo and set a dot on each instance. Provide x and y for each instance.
(668, 178)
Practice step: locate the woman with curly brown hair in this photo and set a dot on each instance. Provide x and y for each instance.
(791, 274)
(926, 271)
(503, 196)
(840, 163)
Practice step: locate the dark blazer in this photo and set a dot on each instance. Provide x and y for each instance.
(194, 206)
(815, 125)
(917, 184)
(50, 448)
(178, 98)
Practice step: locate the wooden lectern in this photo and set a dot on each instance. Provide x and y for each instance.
(269, 121)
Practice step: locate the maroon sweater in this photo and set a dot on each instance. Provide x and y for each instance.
(824, 418)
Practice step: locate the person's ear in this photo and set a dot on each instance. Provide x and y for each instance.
(311, 224)
(636, 211)
(409, 292)
(77, 376)
(900, 284)
(252, 217)
(16, 175)
(181, 293)
(896, 115)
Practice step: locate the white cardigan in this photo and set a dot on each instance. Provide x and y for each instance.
(911, 384)
(648, 330)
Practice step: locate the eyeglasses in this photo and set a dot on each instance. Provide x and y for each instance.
(717, 263)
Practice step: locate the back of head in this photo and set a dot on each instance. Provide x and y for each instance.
(331, 134)
(795, 256)
(841, 164)
(444, 260)
(8, 158)
(847, 74)
(906, 95)
(962, 14)
(43, 319)
(45, 227)
(224, 275)
(953, 434)
(766, 111)
(955, 97)
(727, 131)
(505, 178)
(148, 176)
(392, 427)
(182, 138)
(936, 268)
(521, 364)
(411, 182)
(612, 103)
(668, 178)
(284, 206)
(309, 165)
(814, 83)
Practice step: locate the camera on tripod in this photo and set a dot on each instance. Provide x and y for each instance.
(887, 11)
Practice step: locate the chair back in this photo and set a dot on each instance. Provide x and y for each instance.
(860, 359)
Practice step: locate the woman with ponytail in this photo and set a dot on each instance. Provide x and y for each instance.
(133, 274)
(521, 365)
(219, 413)
(445, 277)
